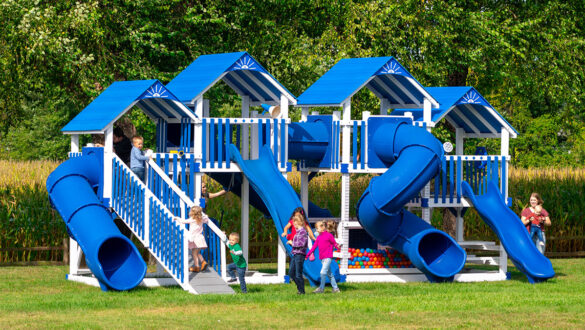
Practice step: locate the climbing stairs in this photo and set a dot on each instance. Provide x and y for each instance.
(148, 210)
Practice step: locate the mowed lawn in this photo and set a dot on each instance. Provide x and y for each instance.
(40, 297)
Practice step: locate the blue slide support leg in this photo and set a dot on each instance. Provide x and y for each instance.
(111, 257)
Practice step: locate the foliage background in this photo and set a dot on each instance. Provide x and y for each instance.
(525, 57)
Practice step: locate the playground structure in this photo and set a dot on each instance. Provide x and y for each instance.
(255, 151)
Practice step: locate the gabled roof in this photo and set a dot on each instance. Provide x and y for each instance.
(149, 95)
(238, 70)
(464, 107)
(384, 76)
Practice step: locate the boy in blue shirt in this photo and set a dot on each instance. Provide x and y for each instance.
(137, 157)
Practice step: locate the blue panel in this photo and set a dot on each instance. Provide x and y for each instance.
(228, 141)
(112, 102)
(342, 80)
(204, 143)
(200, 74)
(354, 146)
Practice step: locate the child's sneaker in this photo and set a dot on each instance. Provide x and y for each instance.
(231, 280)
(318, 290)
(336, 290)
(541, 243)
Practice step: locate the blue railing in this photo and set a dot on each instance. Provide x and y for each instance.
(218, 133)
(476, 170)
(132, 201)
(166, 238)
(177, 192)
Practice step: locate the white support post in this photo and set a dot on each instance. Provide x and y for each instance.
(281, 267)
(74, 143)
(147, 195)
(426, 211)
(245, 214)
(305, 190)
(365, 116)
(304, 113)
(459, 150)
(108, 152)
(283, 106)
(186, 256)
(427, 112)
(345, 180)
(205, 108)
(459, 226)
(505, 151)
(384, 105)
(74, 249)
(223, 262)
(245, 135)
(254, 141)
(245, 188)
(198, 131)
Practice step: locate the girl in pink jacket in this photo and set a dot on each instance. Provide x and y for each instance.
(325, 242)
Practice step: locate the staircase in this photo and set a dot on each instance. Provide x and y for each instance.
(148, 210)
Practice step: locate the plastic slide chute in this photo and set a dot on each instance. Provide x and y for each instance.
(414, 156)
(511, 232)
(111, 257)
(280, 200)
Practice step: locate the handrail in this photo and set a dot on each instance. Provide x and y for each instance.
(179, 273)
(184, 197)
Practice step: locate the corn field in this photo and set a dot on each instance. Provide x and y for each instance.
(27, 219)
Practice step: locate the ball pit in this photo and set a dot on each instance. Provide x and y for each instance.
(377, 258)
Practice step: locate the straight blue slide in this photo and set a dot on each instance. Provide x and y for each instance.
(511, 232)
(280, 199)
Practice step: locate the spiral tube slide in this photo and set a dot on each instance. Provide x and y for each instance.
(511, 232)
(415, 156)
(111, 257)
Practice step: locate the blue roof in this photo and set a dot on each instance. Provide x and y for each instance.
(384, 76)
(238, 70)
(466, 108)
(149, 95)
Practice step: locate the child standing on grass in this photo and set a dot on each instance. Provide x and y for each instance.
(299, 251)
(239, 265)
(195, 237)
(325, 242)
(137, 157)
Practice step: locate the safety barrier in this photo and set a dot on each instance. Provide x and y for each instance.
(149, 219)
(476, 170)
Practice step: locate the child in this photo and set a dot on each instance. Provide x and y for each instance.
(536, 221)
(137, 157)
(299, 251)
(325, 241)
(301, 212)
(239, 264)
(196, 239)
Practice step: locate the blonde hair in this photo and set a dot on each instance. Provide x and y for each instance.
(332, 227)
(137, 138)
(319, 224)
(236, 236)
(298, 220)
(538, 208)
(196, 213)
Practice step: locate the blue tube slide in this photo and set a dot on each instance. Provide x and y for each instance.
(111, 257)
(415, 156)
(511, 232)
(280, 199)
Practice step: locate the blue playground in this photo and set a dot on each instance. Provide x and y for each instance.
(413, 174)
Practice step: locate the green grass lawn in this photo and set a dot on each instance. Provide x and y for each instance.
(41, 297)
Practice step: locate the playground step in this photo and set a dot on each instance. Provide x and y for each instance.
(472, 259)
(479, 245)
